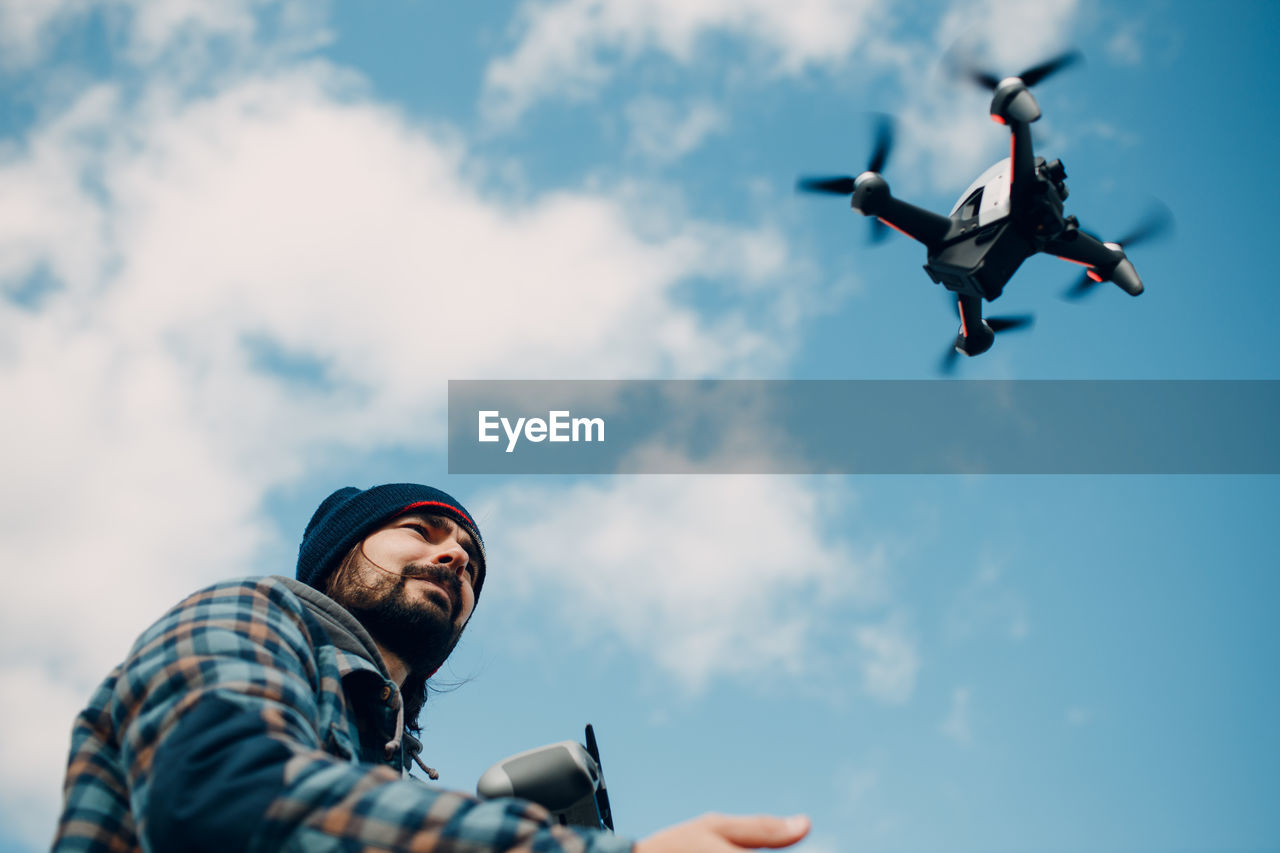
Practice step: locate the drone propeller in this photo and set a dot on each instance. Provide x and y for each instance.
(949, 359)
(1010, 324)
(1030, 76)
(883, 146)
(845, 184)
(1157, 222)
(836, 185)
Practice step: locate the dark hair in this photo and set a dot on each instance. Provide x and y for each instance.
(414, 690)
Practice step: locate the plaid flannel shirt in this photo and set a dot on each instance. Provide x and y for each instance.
(231, 725)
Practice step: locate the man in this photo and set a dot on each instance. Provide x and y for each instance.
(274, 713)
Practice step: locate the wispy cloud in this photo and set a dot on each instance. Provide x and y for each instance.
(664, 131)
(709, 577)
(1124, 48)
(572, 48)
(184, 34)
(889, 660)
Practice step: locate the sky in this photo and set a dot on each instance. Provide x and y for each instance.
(245, 244)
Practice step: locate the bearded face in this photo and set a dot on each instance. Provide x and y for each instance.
(410, 585)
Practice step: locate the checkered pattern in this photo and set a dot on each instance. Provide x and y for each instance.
(230, 727)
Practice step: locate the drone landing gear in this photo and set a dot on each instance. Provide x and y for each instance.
(976, 333)
(975, 337)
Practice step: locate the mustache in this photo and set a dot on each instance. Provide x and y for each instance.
(443, 576)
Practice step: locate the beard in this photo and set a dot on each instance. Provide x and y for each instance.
(421, 633)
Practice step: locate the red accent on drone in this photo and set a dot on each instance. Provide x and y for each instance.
(998, 119)
(894, 227)
(1072, 260)
(964, 330)
(1093, 275)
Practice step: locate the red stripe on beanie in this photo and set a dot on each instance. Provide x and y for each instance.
(449, 507)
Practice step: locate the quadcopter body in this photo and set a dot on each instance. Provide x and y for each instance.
(1010, 212)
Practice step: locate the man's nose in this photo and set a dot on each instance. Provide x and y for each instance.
(454, 556)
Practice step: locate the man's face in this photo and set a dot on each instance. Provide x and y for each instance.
(411, 584)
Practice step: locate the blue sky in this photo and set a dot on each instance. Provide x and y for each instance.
(245, 244)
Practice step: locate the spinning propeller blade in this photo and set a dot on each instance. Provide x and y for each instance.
(1157, 222)
(1009, 324)
(1036, 73)
(845, 184)
(835, 185)
(883, 146)
(949, 359)
(1082, 288)
(985, 79)
(1031, 76)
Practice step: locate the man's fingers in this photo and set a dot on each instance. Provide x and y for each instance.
(759, 830)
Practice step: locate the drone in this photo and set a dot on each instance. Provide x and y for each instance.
(1010, 212)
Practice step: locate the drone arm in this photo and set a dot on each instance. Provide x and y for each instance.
(1022, 156)
(871, 197)
(1106, 261)
(917, 223)
(1085, 249)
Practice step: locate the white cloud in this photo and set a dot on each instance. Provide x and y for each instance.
(180, 32)
(570, 48)
(958, 725)
(1124, 47)
(664, 131)
(1008, 35)
(25, 27)
(709, 576)
(889, 661)
(32, 778)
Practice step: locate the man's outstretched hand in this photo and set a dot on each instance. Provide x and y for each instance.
(716, 833)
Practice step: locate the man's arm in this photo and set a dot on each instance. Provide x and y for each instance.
(218, 714)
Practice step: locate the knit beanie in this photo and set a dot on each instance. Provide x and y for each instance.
(349, 515)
